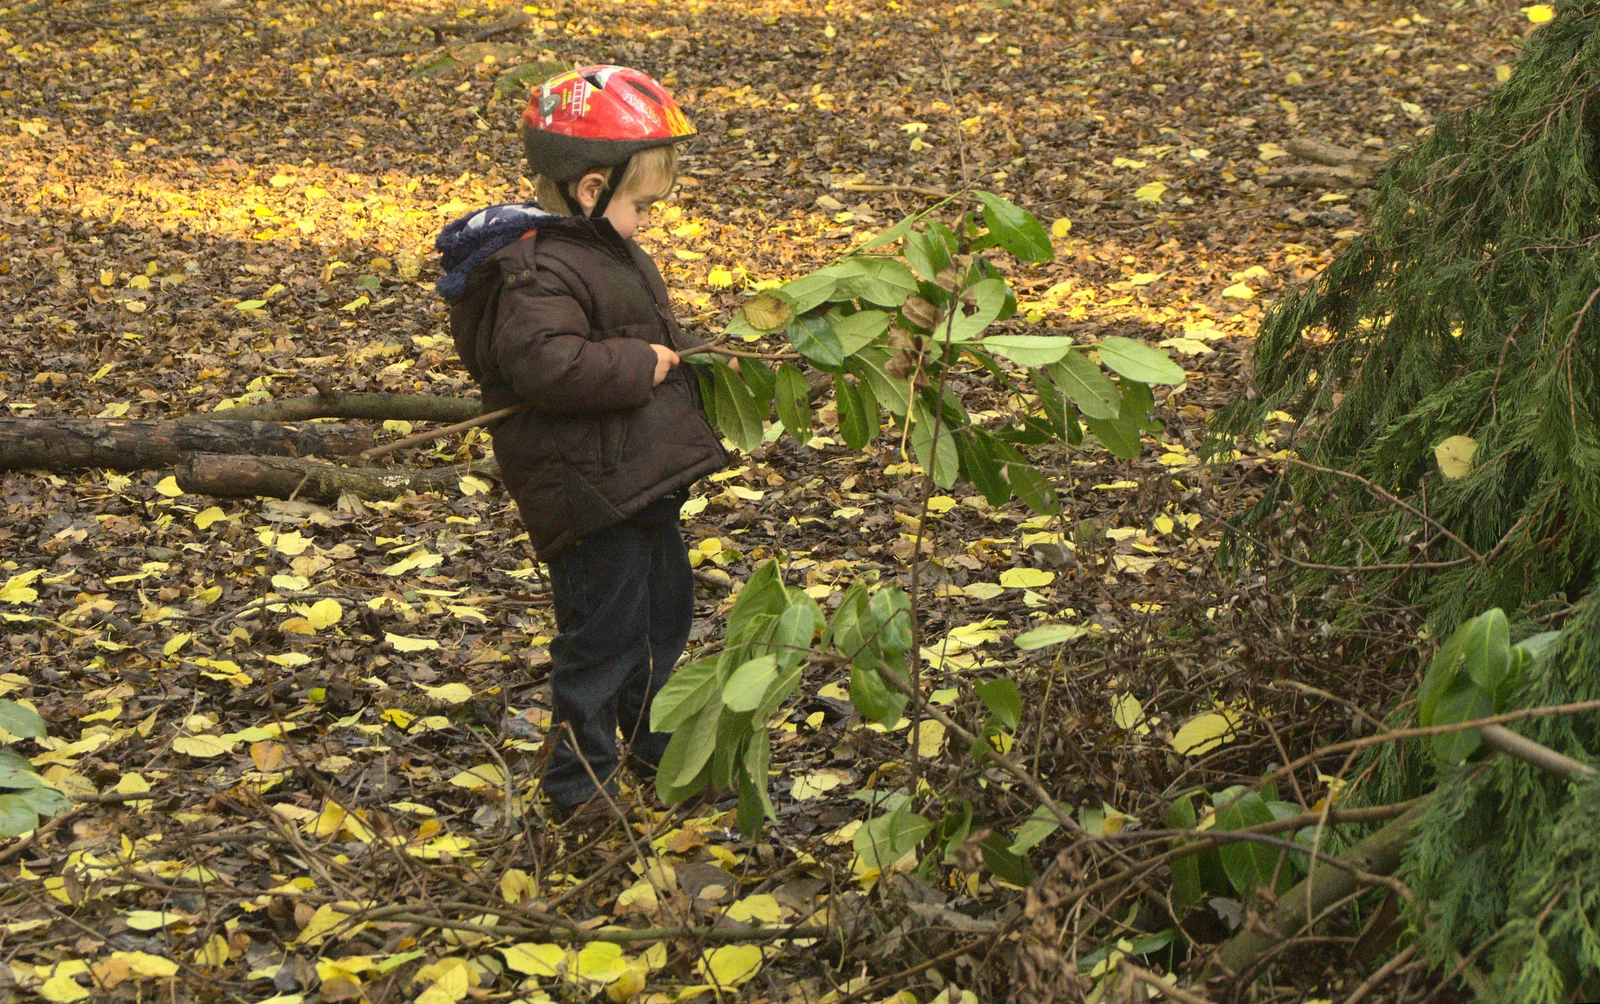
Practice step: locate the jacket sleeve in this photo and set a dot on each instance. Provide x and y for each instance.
(548, 353)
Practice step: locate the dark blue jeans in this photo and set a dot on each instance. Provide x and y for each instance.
(624, 603)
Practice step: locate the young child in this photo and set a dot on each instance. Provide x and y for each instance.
(553, 304)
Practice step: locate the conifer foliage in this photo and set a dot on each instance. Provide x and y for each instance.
(1450, 356)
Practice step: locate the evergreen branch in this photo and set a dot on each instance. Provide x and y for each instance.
(1391, 499)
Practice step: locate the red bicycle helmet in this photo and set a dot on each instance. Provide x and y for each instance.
(599, 116)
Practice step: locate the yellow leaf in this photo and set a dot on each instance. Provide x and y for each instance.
(1206, 732)
(18, 588)
(1502, 73)
(720, 277)
(767, 312)
(201, 746)
(517, 886)
(168, 486)
(1270, 151)
(1455, 456)
(471, 485)
(290, 583)
(449, 693)
(1061, 227)
(1151, 192)
(61, 988)
(398, 426)
(354, 305)
(398, 717)
(1128, 162)
(324, 613)
(147, 965)
(213, 954)
(405, 643)
(600, 961)
(175, 643)
(205, 517)
(1128, 713)
(929, 738)
(1239, 291)
(325, 919)
(484, 775)
(468, 613)
(532, 959)
(813, 784)
(1026, 578)
(149, 920)
(1164, 524)
(632, 983)
(763, 909)
(1539, 13)
(731, 965)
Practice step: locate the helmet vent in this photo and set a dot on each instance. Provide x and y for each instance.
(647, 92)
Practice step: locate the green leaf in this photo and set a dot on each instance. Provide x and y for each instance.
(796, 628)
(886, 839)
(738, 414)
(894, 393)
(873, 698)
(1462, 702)
(44, 801)
(998, 858)
(782, 688)
(813, 338)
(1120, 435)
(1034, 830)
(980, 465)
(1029, 350)
(16, 818)
(927, 254)
(757, 760)
(1186, 887)
(809, 291)
(744, 689)
(699, 735)
(1003, 700)
(1086, 386)
(990, 299)
(858, 330)
(954, 828)
(884, 282)
(1138, 361)
(758, 376)
(891, 612)
(20, 720)
(792, 395)
(936, 455)
(1488, 663)
(1032, 488)
(763, 593)
(1249, 865)
(1015, 229)
(13, 778)
(893, 234)
(856, 426)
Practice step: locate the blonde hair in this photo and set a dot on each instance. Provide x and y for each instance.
(653, 170)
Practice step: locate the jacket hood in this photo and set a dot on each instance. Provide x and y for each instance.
(466, 243)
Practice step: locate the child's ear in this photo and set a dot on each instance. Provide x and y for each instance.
(589, 188)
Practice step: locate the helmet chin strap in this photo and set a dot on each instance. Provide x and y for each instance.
(613, 182)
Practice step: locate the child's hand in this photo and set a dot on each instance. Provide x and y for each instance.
(666, 359)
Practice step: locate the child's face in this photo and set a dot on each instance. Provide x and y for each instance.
(627, 211)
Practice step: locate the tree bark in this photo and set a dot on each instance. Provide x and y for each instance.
(61, 444)
(224, 476)
(338, 404)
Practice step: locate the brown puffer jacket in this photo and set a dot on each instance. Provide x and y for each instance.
(565, 319)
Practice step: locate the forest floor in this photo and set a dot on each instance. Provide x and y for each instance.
(292, 729)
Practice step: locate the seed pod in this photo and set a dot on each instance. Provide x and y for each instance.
(948, 280)
(920, 312)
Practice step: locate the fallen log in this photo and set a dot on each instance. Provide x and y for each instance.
(224, 476)
(62, 444)
(339, 404)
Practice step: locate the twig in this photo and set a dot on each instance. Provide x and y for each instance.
(1150, 979)
(1388, 497)
(850, 186)
(1537, 754)
(494, 416)
(1387, 970)
(616, 936)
